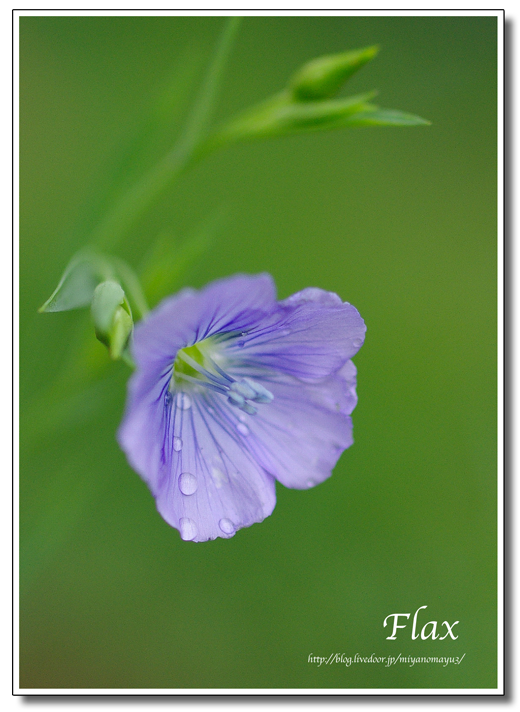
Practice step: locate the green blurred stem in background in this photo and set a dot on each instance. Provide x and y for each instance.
(152, 185)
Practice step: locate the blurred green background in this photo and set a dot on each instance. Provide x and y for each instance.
(399, 221)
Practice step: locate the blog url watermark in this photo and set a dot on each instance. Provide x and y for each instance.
(385, 660)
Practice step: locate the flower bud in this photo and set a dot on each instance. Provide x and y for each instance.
(323, 77)
(112, 320)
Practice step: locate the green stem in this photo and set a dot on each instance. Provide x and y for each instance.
(152, 185)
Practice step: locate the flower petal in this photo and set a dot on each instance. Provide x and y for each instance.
(310, 336)
(232, 304)
(299, 436)
(206, 484)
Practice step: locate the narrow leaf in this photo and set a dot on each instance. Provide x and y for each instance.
(386, 117)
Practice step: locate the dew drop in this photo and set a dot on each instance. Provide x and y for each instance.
(187, 483)
(242, 428)
(243, 333)
(183, 401)
(241, 344)
(210, 410)
(168, 398)
(177, 444)
(310, 483)
(242, 417)
(188, 529)
(219, 477)
(227, 526)
(357, 343)
(286, 332)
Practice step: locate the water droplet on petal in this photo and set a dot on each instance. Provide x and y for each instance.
(219, 477)
(188, 529)
(168, 398)
(187, 483)
(286, 332)
(210, 410)
(183, 401)
(310, 483)
(227, 526)
(242, 417)
(242, 428)
(241, 344)
(243, 333)
(177, 444)
(357, 343)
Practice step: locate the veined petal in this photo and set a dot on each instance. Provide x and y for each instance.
(310, 336)
(300, 435)
(233, 304)
(205, 482)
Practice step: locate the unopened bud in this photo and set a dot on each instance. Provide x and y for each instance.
(323, 77)
(112, 320)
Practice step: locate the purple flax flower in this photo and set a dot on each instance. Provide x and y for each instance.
(234, 390)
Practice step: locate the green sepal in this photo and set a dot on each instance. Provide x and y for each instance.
(323, 77)
(281, 116)
(77, 284)
(120, 334)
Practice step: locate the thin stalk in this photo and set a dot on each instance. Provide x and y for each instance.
(136, 201)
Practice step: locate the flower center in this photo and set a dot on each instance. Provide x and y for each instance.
(197, 366)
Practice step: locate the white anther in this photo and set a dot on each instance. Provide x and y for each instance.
(261, 394)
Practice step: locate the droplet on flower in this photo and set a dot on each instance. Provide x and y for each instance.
(167, 399)
(357, 343)
(241, 344)
(183, 401)
(187, 483)
(219, 477)
(286, 332)
(188, 529)
(310, 483)
(242, 428)
(177, 444)
(227, 526)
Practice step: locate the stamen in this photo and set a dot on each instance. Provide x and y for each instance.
(236, 399)
(197, 381)
(219, 370)
(244, 389)
(188, 368)
(197, 367)
(249, 409)
(262, 395)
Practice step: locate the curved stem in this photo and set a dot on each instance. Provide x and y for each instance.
(152, 185)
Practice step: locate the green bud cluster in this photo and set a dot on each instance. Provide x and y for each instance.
(96, 280)
(308, 103)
